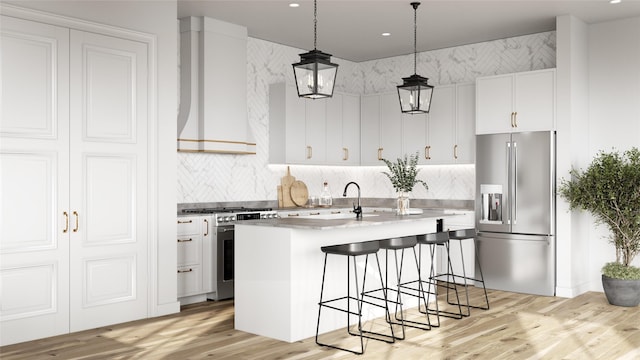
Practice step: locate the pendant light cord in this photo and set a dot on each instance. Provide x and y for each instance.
(415, 38)
(315, 25)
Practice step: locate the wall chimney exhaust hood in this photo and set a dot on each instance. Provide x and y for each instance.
(213, 88)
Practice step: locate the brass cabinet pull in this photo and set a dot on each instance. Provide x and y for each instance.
(66, 222)
(427, 151)
(511, 119)
(345, 154)
(206, 233)
(184, 271)
(455, 151)
(515, 119)
(293, 214)
(309, 152)
(75, 213)
(380, 153)
(185, 222)
(184, 240)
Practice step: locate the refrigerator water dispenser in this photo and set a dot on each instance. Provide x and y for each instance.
(491, 203)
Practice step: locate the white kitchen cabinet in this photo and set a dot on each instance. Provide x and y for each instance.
(305, 131)
(381, 128)
(343, 129)
(516, 102)
(73, 149)
(445, 135)
(195, 270)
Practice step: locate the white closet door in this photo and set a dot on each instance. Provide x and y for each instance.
(34, 187)
(108, 180)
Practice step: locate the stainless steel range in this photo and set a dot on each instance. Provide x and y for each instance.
(224, 219)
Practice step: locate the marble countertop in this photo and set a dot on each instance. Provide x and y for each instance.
(338, 221)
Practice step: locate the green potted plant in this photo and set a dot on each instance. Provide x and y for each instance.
(610, 190)
(404, 176)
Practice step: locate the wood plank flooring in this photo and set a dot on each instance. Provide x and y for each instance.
(516, 327)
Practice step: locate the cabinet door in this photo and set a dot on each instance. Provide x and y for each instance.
(441, 125)
(390, 127)
(535, 101)
(295, 127)
(316, 131)
(350, 129)
(370, 130)
(414, 136)
(34, 190)
(494, 104)
(465, 140)
(108, 180)
(334, 129)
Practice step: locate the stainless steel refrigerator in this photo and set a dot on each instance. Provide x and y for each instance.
(515, 211)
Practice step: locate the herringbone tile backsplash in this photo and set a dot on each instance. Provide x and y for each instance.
(221, 178)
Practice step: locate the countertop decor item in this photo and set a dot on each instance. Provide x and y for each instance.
(610, 190)
(404, 176)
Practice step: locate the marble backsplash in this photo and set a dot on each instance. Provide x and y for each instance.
(227, 178)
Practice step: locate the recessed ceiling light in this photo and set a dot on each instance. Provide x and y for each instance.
(294, 5)
(386, 34)
(615, 1)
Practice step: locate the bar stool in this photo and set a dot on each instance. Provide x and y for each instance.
(352, 250)
(433, 240)
(396, 245)
(461, 235)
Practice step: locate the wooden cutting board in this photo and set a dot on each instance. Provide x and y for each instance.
(286, 183)
(299, 193)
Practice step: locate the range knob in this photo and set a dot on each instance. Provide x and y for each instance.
(220, 219)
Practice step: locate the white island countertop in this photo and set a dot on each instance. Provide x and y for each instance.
(278, 267)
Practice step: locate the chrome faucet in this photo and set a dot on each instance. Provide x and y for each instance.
(356, 209)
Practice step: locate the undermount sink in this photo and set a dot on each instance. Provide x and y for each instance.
(334, 216)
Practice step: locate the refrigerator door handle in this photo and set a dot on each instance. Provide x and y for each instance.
(508, 172)
(515, 183)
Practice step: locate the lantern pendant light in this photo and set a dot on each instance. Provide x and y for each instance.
(415, 92)
(315, 74)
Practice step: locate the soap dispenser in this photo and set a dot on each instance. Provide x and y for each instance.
(325, 196)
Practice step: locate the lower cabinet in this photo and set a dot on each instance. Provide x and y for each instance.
(195, 258)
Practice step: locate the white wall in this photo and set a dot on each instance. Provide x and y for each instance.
(157, 18)
(217, 178)
(614, 111)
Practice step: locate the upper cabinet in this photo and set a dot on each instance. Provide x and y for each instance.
(381, 128)
(447, 134)
(517, 102)
(213, 88)
(305, 131)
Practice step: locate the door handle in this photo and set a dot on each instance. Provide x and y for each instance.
(455, 152)
(345, 154)
(380, 153)
(515, 119)
(184, 271)
(427, 152)
(66, 222)
(184, 240)
(309, 152)
(206, 232)
(75, 213)
(512, 118)
(515, 183)
(185, 222)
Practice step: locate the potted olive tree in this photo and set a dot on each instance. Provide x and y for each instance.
(403, 175)
(610, 190)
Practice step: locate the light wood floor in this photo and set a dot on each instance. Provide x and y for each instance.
(516, 327)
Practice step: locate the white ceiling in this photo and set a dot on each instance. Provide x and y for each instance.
(352, 29)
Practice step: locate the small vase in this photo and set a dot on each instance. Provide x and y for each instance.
(402, 204)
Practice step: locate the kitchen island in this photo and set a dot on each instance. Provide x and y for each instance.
(278, 268)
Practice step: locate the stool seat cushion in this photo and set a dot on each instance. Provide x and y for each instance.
(462, 234)
(398, 243)
(353, 249)
(434, 238)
